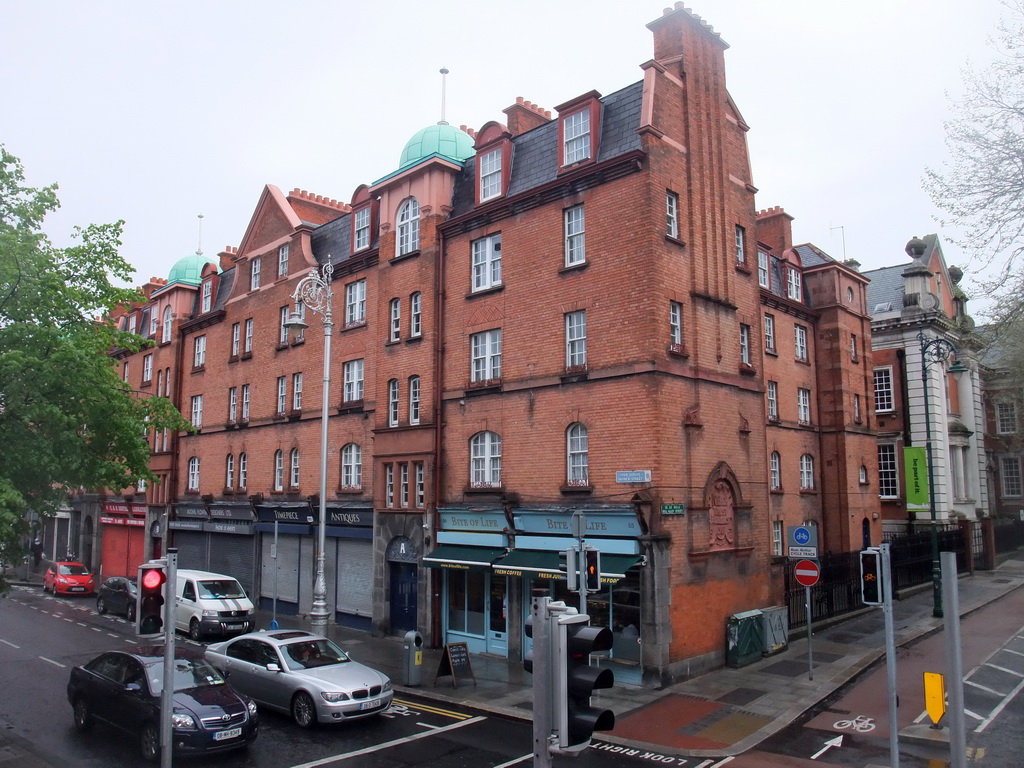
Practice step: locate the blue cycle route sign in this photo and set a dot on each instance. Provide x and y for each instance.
(801, 536)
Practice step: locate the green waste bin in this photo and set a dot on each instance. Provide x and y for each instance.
(744, 638)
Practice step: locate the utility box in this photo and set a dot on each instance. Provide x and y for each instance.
(744, 637)
(412, 655)
(776, 629)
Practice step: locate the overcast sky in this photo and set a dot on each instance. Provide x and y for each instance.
(155, 112)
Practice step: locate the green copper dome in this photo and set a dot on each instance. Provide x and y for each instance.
(188, 269)
(441, 139)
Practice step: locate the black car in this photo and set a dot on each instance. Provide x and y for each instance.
(118, 595)
(123, 689)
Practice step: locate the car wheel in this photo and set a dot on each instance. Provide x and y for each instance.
(150, 743)
(303, 710)
(130, 613)
(101, 605)
(83, 717)
(193, 630)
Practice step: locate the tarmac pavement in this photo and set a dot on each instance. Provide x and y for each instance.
(724, 712)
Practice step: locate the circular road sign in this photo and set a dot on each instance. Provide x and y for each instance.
(807, 572)
(801, 535)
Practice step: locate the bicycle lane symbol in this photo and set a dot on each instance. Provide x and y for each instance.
(861, 724)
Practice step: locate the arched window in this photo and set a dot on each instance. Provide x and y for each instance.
(776, 471)
(229, 471)
(806, 472)
(160, 383)
(414, 399)
(294, 468)
(578, 472)
(193, 473)
(408, 227)
(352, 466)
(278, 471)
(485, 460)
(167, 325)
(243, 470)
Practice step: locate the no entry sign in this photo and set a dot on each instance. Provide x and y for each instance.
(807, 572)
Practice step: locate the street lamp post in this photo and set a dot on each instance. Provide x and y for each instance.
(937, 350)
(314, 291)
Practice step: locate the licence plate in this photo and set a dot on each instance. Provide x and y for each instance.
(372, 704)
(234, 626)
(78, 589)
(231, 733)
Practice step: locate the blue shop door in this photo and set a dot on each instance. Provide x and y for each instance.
(497, 618)
(404, 578)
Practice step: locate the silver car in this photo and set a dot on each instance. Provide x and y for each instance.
(302, 674)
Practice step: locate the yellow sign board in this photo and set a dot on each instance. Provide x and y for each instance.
(935, 695)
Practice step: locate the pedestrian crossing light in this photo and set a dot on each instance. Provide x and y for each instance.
(592, 569)
(575, 680)
(871, 577)
(152, 593)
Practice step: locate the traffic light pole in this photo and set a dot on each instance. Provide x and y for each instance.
(167, 692)
(543, 710)
(890, 657)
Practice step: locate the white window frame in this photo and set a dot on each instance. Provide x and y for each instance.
(232, 404)
(193, 473)
(278, 470)
(403, 485)
(246, 401)
(282, 261)
(857, 416)
(361, 222)
(416, 315)
(577, 453)
(800, 342)
(762, 268)
(414, 399)
(254, 273)
(408, 239)
(282, 337)
(420, 499)
(396, 320)
(740, 245)
(355, 303)
(282, 394)
(486, 262)
(745, 344)
(575, 236)
(293, 476)
(297, 391)
(490, 175)
(777, 538)
(389, 485)
(485, 355)
(197, 411)
(168, 323)
(769, 332)
(236, 338)
(199, 358)
(353, 380)
(1006, 417)
(576, 137)
(243, 470)
(1010, 476)
(229, 471)
(888, 471)
(485, 460)
(147, 368)
(207, 300)
(675, 322)
(352, 466)
(775, 471)
(248, 335)
(882, 377)
(672, 214)
(772, 391)
(806, 472)
(576, 339)
(803, 405)
(793, 284)
(393, 395)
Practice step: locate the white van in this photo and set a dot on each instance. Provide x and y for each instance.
(211, 604)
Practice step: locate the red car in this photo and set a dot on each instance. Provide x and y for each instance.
(65, 578)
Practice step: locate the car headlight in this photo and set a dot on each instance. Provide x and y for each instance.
(387, 685)
(334, 696)
(181, 721)
(252, 707)
(210, 614)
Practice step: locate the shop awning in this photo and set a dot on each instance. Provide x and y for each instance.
(614, 567)
(531, 563)
(462, 558)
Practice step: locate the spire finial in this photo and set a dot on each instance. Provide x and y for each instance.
(199, 248)
(444, 81)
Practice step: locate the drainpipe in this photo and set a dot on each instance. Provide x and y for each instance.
(439, 297)
(172, 494)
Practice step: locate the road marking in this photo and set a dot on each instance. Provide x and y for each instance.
(836, 742)
(81, 624)
(1007, 671)
(517, 761)
(984, 688)
(96, 629)
(388, 744)
(1015, 653)
(6, 642)
(55, 663)
(432, 710)
(999, 707)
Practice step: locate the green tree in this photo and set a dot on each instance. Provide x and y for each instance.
(67, 421)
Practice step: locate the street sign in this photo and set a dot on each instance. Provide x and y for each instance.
(811, 552)
(807, 572)
(802, 536)
(934, 695)
(633, 476)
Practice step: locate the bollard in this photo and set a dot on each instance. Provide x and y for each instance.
(413, 658)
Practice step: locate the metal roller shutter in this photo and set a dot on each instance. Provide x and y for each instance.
(234, 556)
(355, 577)
(280, 575)
(115, 551)
(191, 549)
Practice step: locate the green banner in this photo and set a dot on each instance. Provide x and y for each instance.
(915, 463)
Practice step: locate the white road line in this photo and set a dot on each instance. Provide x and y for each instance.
(96, 629)
(386, 745)
(111, 634)
(972, 714)
(55, 663)
(999, 707)
(984, 688)
(1015, 653)
(81, 624)
(1004, 669)
(517, 761)
(7, 642)
(428, 725)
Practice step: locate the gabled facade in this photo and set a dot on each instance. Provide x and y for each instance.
(1004, 436)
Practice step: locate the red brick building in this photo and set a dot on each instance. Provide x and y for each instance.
(566, 313)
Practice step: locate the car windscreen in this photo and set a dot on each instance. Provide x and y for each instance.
(220, 588)
(188, 673)
(309, 654)
(74, 570)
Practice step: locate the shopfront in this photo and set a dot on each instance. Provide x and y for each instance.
(282, 529)
(349, 555)
(474, 600)
(124, 538)
(231, 541)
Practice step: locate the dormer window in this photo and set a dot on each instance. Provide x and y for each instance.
(793, 285)
(409, 227)
(490, 174)
(362, 229)
(576, 139)
(167, 325)
(131, 324)
(207, 300)
(254, 274)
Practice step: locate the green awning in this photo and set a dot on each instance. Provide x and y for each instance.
(531, 563)
(462, 558)
(614, 567)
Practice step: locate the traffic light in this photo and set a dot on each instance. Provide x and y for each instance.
(152, 594)
(592, 569)
(575, 719)
(871, 592)
(568, 563)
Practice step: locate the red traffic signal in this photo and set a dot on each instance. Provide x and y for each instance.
(151, 599)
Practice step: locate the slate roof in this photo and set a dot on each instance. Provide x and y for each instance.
(334, 238)
(886, 286)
